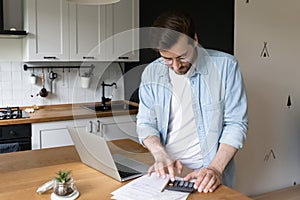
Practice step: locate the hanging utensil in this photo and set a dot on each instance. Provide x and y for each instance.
(63, 77)
(52, 76)
(43, 92)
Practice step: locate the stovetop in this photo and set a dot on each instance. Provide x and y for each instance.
(12, 113)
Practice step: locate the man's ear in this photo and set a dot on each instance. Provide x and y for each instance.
(196, 40)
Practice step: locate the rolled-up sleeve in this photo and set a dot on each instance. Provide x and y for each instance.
(235, 113)
(146, 118)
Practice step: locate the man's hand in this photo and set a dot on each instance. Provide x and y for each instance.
(162, 161)
(207, 179)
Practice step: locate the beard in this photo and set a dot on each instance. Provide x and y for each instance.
(183, 69)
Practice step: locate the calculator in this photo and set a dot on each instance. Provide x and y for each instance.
(180, 186)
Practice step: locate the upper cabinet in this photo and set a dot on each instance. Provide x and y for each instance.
(87, 32)
(62, 31)
(121, 28)
(48, 34)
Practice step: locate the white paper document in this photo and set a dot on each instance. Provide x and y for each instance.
(147, 188)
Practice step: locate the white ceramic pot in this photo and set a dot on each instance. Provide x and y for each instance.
(85, 81)
(32, 79)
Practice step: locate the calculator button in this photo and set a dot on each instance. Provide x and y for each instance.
(191, 184)
(181, 183)
(186, 183)
(176, 183)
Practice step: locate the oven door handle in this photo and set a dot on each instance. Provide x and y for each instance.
(12, 133)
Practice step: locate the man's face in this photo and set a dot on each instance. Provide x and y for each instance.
(180, 56)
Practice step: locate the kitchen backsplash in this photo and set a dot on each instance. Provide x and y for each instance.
(17, 90)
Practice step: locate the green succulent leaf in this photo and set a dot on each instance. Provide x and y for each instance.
(63, 176)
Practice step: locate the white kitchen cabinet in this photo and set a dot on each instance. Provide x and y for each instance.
(62, 31)
(55, 134)
(48, 27)
(87, 31)
(122, 21)
(116, 127)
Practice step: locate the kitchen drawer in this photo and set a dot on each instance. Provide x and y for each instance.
(117, 131)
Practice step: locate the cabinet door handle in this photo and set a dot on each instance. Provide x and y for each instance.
(124, 57)
(91, 126)
(98, 125)
(88, 57)
(50, 57)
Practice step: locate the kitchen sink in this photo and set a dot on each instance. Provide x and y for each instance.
(110, 107)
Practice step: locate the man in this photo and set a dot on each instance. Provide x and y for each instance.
(193, 107)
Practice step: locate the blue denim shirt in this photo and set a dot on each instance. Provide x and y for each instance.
(219, 104)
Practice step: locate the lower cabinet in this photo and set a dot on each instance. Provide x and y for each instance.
(55, 134)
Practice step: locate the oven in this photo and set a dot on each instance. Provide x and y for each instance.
(14, 137)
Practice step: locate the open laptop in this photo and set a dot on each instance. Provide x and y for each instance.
(94, 152)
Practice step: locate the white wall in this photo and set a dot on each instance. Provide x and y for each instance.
(269, 80)
(16, 90)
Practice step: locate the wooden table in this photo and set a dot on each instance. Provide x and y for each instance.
(23, 172)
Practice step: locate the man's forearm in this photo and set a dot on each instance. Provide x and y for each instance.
(224, 155)
(153, 144)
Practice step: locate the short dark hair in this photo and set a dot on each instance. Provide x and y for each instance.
(169, 26)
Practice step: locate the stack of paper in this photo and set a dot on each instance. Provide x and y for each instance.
(147, 188)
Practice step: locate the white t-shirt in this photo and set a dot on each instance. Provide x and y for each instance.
(182, 139)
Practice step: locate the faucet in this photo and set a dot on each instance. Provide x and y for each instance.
(104, 99)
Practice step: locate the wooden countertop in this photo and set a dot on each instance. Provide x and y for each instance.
(48, 113)
(23, 172)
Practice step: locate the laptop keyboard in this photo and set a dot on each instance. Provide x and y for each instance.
(125, 171)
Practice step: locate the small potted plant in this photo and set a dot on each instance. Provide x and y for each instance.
(63, 183)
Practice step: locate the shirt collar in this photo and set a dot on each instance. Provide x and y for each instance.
(200, 64)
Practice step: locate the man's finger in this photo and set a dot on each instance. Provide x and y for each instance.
(191, 175)
(178, 166)
(204, 183)
(214, 187)
(150, 170)
(210, 184)
(162, 172)
(201, 175)
(171, 172)
(159, 169)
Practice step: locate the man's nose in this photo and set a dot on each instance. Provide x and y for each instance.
(176, 64)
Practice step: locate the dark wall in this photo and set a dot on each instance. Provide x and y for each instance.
(214, 19)
(215, 29)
